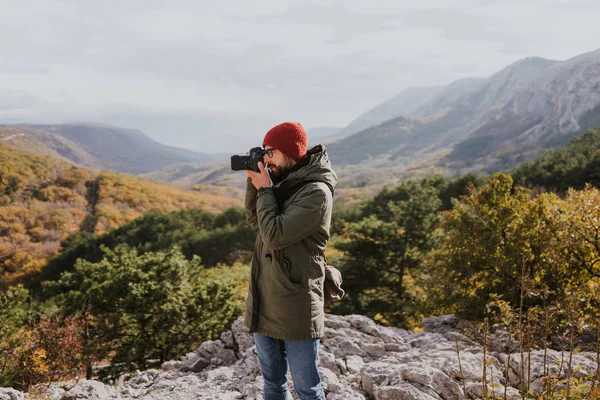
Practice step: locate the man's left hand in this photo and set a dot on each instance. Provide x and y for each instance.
(260, 179)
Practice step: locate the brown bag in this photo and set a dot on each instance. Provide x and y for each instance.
(333, 285)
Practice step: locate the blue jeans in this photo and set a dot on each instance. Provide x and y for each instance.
(301, 356)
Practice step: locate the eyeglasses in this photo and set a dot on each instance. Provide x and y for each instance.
(269, 152)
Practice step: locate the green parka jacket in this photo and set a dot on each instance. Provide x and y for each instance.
(285, 295)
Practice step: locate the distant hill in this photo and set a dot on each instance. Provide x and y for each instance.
(406, 103)
(226, 132)
(478, 93)
(99, 146)
(218, 176)
(215, 178)
(43, 200)
(558, 105)
(474, 125)
(471, 125)
(319, 134)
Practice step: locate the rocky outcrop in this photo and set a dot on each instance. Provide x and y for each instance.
(11, 394)
(359, 359)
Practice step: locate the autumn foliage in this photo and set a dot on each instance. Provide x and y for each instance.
(36, 348)
(44, 200)
(127, 260)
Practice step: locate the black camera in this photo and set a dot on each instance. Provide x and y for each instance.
(241, 163)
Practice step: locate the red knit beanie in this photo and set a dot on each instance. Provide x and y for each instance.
(289, 138)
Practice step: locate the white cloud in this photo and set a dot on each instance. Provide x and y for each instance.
(322, 64)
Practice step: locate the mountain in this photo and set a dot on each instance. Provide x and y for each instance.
(43, 200)
(405, 103)
(476, 125)
(559, 104)
(478, 92)
(99, 146)
(318, 134)
(501, 87)
(214, 177)
(470, 125)
(444, 116)
(46, 143)
(205, 133)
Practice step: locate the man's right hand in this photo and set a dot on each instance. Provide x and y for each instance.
(260, 179)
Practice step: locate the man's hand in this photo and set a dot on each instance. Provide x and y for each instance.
(260, 179)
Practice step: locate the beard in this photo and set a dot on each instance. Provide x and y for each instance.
(279, 172)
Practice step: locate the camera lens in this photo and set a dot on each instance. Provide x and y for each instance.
(240, 163)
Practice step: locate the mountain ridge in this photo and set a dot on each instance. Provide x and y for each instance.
(100, 146)
(486, 126)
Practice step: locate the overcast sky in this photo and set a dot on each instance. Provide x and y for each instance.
(322, 64)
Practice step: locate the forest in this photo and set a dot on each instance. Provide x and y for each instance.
(105, 269)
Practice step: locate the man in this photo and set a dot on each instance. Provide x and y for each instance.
(290, 201)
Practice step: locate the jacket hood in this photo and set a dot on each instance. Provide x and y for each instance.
(315, 167)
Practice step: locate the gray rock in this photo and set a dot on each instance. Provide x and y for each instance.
(475, 389)
(443, 324)
(329, 380)
(378, 374)
(209, 353)
(354, 364)
(358, 360)
(500, 341)
(364, 324)
(435, 380)
(463, 341)
(328, 360)
(49, 393)
(194, 363)
(241, 336)
(401, 391)
(396, 347)
(583, 364)
(346, 394)
(89, 390)
(216, 353)
(171, 365)
(347, 348)
(11, 394)
(337, 322)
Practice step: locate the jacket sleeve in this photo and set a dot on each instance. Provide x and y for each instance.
(301, 219)
(250, 203)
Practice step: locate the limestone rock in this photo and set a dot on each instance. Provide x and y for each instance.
(11, 394)
(89, 390)
(359, 359)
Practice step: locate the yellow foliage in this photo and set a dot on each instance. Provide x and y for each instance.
(36, 233)
(380, 319)
(44, 200)
(38, 361)
(123, 197)
(61, 194)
